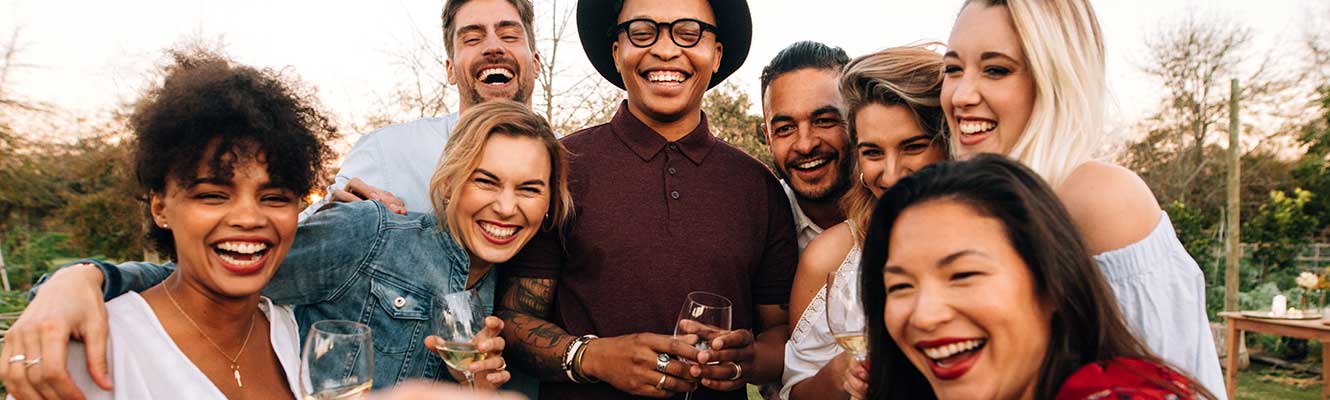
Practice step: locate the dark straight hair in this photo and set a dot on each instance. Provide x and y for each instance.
(1086, 324)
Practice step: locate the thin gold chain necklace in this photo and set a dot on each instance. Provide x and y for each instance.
(235, 367)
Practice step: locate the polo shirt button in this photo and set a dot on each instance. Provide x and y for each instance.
(674, 195)
(672, 171)
(399, 302)
(674, 146)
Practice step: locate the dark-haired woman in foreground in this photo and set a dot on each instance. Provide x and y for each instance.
(978, 286)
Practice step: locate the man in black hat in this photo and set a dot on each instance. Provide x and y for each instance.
(663, 209)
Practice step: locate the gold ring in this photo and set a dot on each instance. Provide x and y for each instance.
(661, 385)
(738, 371)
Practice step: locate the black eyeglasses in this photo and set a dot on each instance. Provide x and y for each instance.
(643, 32)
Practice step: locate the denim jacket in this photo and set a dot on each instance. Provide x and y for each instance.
(359, 262)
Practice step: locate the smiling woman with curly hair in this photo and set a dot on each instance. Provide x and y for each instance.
(223, 154)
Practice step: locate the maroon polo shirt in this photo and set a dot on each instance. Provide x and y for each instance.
(656, 220)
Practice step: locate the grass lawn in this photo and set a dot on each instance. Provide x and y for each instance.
(1261, 382)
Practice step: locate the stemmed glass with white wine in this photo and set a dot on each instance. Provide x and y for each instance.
(462, 319)
(338, 361)
(704, 317)
(845, 313)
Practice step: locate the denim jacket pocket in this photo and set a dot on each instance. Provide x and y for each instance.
(402, 318)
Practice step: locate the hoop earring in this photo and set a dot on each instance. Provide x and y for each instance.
(861, 181)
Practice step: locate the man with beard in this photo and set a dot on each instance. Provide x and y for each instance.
(804, 125)
(664, 208)
(491, 48)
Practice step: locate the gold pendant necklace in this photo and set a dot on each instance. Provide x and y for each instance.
(235, 366)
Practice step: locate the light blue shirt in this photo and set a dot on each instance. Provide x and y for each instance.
(1161, 292)
(397, 158)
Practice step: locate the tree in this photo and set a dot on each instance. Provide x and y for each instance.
(1193, 59)
(727, 108)
(570, 95)
(1278, 232)
(1313, 169)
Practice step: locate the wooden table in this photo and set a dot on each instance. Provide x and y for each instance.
(1315, 329)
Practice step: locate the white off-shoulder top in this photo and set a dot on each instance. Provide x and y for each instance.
(1161, 291)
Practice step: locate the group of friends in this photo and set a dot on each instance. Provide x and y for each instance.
(1000, 257)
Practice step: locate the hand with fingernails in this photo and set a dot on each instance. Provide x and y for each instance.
(642, 364)
(855, 380)
(492, 372)
(358, 190)
(729, 363)
(35, 348)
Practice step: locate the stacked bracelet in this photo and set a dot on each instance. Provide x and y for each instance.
(577, 361)
(572, 359)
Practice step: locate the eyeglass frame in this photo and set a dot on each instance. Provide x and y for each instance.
(623, 27)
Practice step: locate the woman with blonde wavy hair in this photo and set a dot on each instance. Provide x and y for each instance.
(1025, 78)
(896, 127)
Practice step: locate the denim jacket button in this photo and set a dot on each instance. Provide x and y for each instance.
(399, 302)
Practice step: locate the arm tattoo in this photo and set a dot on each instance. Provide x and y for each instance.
(535, 344)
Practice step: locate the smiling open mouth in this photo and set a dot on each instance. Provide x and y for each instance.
(495, 76)
(811, 164)
(947, 355)
(498, 233)
(970, 128)
(241, 254)
(666, 77)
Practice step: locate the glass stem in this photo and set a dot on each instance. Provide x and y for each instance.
(470, 379)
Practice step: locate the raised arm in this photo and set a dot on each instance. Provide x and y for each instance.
(68, 305)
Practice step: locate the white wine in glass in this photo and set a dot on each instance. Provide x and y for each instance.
(704, 316)
(338, 361)
(460, 355)
(462, 319)
(845, 313)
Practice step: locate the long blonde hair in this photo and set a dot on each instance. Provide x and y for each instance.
(462, 155)
(1064, 49)
(910, 76)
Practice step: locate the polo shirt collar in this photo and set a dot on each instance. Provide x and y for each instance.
(646, 143)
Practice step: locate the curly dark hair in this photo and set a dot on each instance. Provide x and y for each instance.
(249, 114)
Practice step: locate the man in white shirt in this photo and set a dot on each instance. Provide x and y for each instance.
(491, 48)
(804, 123)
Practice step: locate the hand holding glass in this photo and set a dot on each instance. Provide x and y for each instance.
(462, 319)
(705, 316)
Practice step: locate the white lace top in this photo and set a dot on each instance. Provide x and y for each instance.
(811, 346)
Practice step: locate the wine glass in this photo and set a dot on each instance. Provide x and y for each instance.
(705, 316)
(338, 361)
(462, 319)
(845, 313)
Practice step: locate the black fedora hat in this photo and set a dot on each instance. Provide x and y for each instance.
(734, 31)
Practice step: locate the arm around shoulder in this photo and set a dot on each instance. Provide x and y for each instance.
(1111, 206)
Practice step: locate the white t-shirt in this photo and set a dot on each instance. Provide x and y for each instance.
(146, 364)
(397, 158)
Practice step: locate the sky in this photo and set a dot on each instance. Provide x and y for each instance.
(88, 56)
